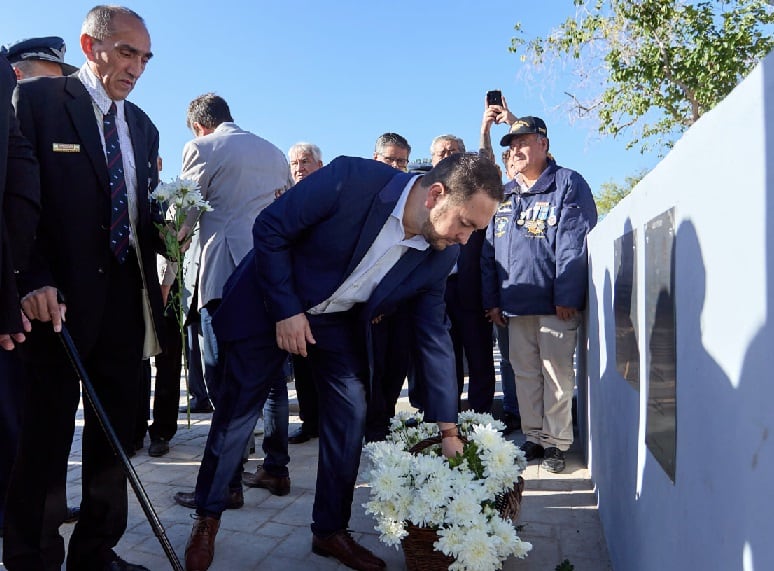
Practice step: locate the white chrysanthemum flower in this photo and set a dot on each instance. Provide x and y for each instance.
(450, 540)
(521, 548)
(161, 194)
(391, 532)
(387, 481)
(464, 509)
(505, 534)
(428, 467)
(438, 490)
(478, 552)
(468, 419)
(486, 436)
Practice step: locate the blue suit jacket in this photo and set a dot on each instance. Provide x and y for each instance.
(310, 240)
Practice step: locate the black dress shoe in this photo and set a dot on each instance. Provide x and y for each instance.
(158, 447)
(73, 513)
(196, 409)
(341, 546)
(119, 564)
(512, 423)
(277, 485)
(532, 450)
(302, 435)
(234, 501)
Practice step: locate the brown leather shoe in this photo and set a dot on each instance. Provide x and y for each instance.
(277, 485)
(201, 545)
(234, 501)
(341, 546)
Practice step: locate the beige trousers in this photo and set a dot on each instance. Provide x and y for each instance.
(541, 348)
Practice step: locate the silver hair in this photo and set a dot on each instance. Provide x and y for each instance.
(388, 139)
(440, 138)
(304, 147)
(99, 19)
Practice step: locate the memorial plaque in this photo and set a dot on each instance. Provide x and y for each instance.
(660, 435)
(627, 352)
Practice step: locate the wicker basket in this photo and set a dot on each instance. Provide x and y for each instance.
(418, 544)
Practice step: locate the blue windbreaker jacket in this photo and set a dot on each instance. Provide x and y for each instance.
(535, 257)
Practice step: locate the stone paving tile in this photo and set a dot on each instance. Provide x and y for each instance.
(558, 515)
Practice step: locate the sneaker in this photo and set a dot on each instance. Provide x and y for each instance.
(553, 460)
(532, 450)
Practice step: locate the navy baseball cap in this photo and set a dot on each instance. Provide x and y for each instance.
(51, 48)
(525, 126)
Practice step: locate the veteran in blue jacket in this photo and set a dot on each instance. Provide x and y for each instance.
(534, 280)
(350, 243)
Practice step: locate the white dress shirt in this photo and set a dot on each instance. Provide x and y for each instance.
(384, 253)
(102, 102)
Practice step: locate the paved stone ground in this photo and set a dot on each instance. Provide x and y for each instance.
(559, 513)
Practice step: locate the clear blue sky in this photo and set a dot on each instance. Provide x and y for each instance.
(340, 73)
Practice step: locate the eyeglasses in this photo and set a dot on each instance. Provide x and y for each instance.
(402, 163)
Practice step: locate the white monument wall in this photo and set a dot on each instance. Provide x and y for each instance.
(718, 513)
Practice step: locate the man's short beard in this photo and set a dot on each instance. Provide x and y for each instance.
(428, 230)
(431, 237)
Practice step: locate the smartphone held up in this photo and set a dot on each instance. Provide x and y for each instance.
(494, 97)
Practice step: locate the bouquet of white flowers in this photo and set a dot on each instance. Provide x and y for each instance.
(457, 497)
(184, 204)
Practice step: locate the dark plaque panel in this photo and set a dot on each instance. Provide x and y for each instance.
(660, 327)
(627, 352)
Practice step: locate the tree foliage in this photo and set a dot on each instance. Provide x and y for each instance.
(612, 193)
(651, 68)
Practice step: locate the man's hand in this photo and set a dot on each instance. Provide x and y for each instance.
(184, 237)
(495, 315)
(42, 304)
(8, 340)
(450, 445)
(490, 118)
(565, 313)
(294, 333)
(504, 115)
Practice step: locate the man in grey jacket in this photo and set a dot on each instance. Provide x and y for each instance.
(239, 174)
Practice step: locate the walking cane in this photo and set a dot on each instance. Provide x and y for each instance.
(112, 437)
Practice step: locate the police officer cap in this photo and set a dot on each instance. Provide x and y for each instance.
(51, 48)
(525, 126)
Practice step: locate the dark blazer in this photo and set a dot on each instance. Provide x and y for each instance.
(19, 202)
(310, 240)
(468, 294)
(70, 251)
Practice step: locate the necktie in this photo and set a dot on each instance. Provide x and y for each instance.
(119, 206)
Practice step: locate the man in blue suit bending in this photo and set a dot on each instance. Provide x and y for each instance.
(348, 244)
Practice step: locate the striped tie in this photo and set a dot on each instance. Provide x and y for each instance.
(119, 207)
